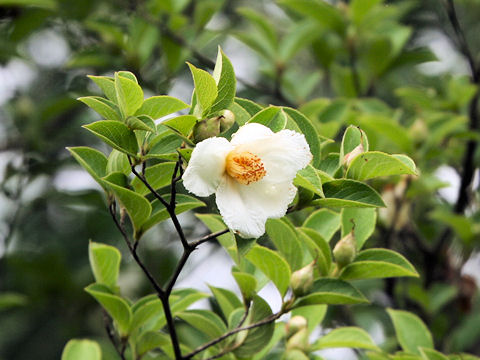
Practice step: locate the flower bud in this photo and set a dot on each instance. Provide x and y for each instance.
(299, 340)
(295, 324)
(227, 119)
(302, 280)
(418, 131)
(345, 250)
(347, 159)
(206, 129)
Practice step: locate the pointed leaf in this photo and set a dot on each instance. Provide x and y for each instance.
(247, 284)
(332, 292)
(349, 193)
(104, 107)
(118, 162)
(94, 161)
(272, 265)
(115, 134)
(205, 89)
(318, 248)
(226, 299)
(309, 179)
(158, 176)
(129, 95)
(105, 264)
(352, 137)
(349, 336)
(141, 122)
(272, 117)
(183, 124)
(160, 106)
(224, 76)
(373, 164)
(286, 241)
(205, 321)
(107, 85)
(411, 331)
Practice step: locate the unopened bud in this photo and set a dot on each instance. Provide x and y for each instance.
(295, 324)
(295, 354)
(419, 130)
(299, 340)
(206, 129)
(347, 159)
(227, 119)
(345, 250)
(302, 280)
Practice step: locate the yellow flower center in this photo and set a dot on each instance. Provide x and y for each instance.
(244, 167)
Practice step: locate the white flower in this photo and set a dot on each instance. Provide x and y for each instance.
(251, 176)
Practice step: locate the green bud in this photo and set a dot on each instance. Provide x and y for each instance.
(227, 119)
(299, 340)
(302, 280)
(205, 129)
(347, 159)
(295, 324)
(345, 250)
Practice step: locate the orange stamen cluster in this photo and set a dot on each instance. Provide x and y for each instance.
(245, 167)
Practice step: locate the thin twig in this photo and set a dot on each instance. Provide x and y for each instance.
(208, 237)
(111, 335)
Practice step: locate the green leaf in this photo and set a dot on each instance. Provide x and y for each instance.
(325, 222)
(272, 117)
(311, 135)
(258, 337)
(309, 179)
(262, 24)
(118, 162)
(115, 134)
(251, 107)
(318, 248)
(431, 354)
(138, 208)
(159, 213)
(164, 145)
(378, 263)
(247, 284)
(205, 89)
(363, 219)
(205, 321)
(183, 124)
(348, 336)
(105, 264)
(360, 8)
(352, 137)
(224, 76)
(141, 122)
(278, 334)
(82, 349)
(91, 160)
(286, 241)
(150, 340)
(104, 107)
(373, 164)
(349, 193)
(272, 265)
(300, 36)
(226, 299)
(144, 313)
(129, 95)
(215, 223)
(158, 176)
(411, 331)
(12, 299)
(314, 313)
(160, 106)
(332, 292)
(107, 85)
(116, 307)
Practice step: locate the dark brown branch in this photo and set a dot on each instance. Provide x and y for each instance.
(208, 237)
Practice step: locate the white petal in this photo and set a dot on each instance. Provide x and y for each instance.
(282, 154)
(251, 132)
(246, 208)
(206, 166)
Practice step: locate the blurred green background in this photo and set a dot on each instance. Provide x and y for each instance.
(398, 69)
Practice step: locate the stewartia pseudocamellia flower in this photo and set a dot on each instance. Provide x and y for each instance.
(251, 175)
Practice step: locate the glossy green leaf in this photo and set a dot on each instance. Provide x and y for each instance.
(378, 263)
(164, 145)
(107, 85)
(118, 162)
(141, 122)
(94, 161)
(309, 179)
(82, 349)
(349, 193)
(363, 220)
(158, 176)
(116, 307)
(115, 134)
(360, 8)
(205, 89)
(373, 164)
(205, 321)
(272, 265)
(129, 95)
(138, 208)
(258, 337)
(159, 106)
(278, 334)
(411, 331)
(226, 299)
(349, 336)
(311, 135)
(247, 284)
(286, 241)
(352, 137)
(159, 212)
(251, 107)
(105, 264)
(150, 340)
(224, 76)
(272, 117)
(145, 312)
(431, 354)
(104, 107)
(183, 124)
(318, 248)
(332, 292)
(324, 221)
